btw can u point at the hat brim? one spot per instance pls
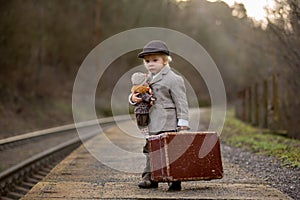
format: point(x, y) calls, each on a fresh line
point(145, 53)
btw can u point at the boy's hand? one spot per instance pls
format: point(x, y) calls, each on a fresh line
point(136, 99)
point(150, 91)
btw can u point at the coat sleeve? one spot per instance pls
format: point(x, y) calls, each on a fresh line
point(178, 92)
point(129, 99)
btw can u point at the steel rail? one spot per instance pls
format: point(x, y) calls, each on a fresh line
point(59, 129)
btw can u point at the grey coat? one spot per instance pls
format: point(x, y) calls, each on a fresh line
point(171, 102)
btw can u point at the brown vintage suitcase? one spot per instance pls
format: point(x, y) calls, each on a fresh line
point(185, 156)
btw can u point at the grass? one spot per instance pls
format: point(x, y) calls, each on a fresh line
point(239, 134)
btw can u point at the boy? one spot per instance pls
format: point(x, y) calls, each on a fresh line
point(170, 109)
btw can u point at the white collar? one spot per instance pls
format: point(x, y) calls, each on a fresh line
point(155, 75)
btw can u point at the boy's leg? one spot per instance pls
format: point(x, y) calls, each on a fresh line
point(175, 186)
point(146, 176)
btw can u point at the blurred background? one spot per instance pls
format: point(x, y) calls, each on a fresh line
point(43, 43)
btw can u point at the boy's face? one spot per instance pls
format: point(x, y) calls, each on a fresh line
point(154, 63)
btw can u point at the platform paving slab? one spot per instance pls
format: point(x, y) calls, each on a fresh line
point(82, 176)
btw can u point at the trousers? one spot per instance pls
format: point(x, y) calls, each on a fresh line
point(147, 169)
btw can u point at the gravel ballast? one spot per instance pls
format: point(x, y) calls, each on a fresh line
point(270, 169)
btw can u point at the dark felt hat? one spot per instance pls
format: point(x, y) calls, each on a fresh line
point(154, 47)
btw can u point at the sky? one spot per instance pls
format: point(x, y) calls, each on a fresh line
point(255, 8)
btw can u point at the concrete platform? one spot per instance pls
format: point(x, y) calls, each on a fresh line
point(97, 170)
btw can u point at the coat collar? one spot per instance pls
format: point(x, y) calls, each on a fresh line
point(164, 71)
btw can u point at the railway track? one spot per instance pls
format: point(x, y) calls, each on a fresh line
point(46, 149)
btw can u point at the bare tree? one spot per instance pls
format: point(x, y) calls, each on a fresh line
point(284, 25)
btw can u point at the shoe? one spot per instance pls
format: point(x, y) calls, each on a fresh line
point(175, 186)
point(148, 184)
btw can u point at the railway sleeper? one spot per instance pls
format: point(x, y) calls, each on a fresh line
point(48, 168)
point(43, 173)
point(37, 177)
point(14, 195)
point(31, 180)
point(5, 198)
point(27, 185)
point(22, 190)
